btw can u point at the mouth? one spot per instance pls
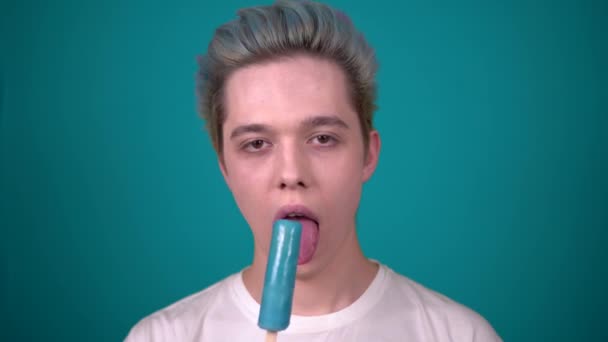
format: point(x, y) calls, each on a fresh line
point(310, 229)
point(295, 212)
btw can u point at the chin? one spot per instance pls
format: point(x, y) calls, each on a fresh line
point(309, 270)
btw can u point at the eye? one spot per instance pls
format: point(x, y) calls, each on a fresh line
point(324, 140)
point(255, 145)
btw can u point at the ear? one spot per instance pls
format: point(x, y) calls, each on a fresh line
point(373, 152)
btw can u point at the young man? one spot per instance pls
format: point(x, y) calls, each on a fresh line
point(288, 93)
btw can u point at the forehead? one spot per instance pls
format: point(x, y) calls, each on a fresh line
point(287, 89)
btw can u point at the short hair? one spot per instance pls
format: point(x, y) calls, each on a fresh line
point(285, 28)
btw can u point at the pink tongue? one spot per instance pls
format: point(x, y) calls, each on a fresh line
point(309, 240)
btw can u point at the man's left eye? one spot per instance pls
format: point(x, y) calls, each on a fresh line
point(324, 139)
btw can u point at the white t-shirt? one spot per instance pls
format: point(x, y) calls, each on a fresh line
point(393, 308)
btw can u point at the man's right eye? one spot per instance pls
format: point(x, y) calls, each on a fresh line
point(255, 145)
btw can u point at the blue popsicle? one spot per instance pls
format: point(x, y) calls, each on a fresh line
point(280, 278)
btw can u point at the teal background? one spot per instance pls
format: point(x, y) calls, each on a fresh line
point(492, 186)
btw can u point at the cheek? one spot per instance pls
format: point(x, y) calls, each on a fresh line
point(348, 193)
point(248, 184)
point(342, 184)
point(246, 193)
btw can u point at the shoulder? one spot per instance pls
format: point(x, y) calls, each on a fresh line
point(174, 321)
point(445, 318)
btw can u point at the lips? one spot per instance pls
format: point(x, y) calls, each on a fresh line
point(301, 210)
point(310, 229)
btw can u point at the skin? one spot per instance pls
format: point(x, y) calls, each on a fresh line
point(292, 136)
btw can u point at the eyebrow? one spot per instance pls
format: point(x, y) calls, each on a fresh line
point(250, 128)
point(312, 122)
point(324, 120)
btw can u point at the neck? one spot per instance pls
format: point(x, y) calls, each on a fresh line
point(329, 288)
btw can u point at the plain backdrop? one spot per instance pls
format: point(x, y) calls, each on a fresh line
point(492, 186)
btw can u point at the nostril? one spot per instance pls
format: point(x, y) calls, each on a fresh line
point(298, 184)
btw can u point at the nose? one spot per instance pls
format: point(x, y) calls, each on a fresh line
point(293, 168)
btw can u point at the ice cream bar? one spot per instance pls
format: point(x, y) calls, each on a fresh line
point(280, 278)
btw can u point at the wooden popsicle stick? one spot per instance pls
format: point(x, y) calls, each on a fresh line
point(271, 336)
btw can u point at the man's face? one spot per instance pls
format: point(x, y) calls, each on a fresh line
point(292, 143)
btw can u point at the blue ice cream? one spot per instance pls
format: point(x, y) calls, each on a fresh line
point(280, 278)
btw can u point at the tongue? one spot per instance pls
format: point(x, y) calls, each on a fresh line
point(309, 240)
